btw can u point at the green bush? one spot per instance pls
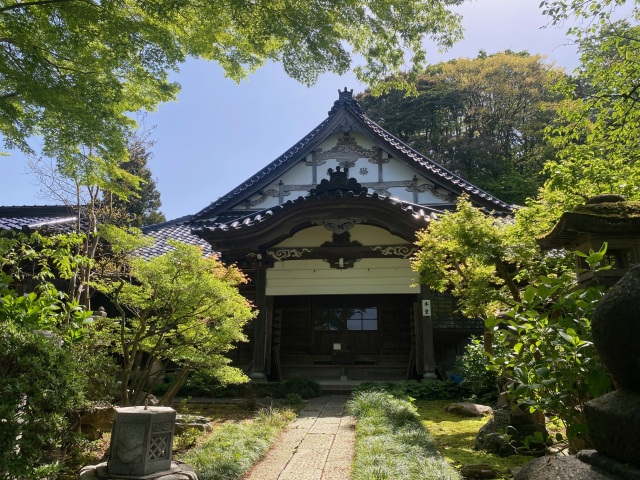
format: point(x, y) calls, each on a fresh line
point(428, 390)
point(197, 384)
point(40, 388)
point(50, 364)
point(301, 387)
point(549, 362)
point(472, 367)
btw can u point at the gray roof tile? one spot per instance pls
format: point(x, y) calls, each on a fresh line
point(58, 218)
point(178, 229)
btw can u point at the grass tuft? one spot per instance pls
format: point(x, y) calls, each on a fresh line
point(235, 448)
point(391, 441)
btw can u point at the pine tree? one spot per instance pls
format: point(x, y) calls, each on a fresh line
point(142, 208)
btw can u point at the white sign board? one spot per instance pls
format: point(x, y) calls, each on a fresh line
point(426, 308)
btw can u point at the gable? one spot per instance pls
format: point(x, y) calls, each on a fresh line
point(372, 166)
point(375, 158)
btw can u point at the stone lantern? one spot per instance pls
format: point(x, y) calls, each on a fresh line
point(141, 440)
point(141, 445)
point(604, 218)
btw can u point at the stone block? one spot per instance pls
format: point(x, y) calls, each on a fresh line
point(614, 425)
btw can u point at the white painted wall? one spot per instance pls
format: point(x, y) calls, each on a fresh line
point(365, 234)
point(368, 276)
point(395, 170)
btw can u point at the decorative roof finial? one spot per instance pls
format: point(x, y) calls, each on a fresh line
point(345, 94)
point(345, 98)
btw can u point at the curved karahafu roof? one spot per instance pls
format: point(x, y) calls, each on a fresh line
point(340, 198)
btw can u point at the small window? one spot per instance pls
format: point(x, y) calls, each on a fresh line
point(363, 319)
point(339, 313)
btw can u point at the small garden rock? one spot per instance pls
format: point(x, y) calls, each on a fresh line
point(94, 422)
point(467, 409)
point(184, 422)
point(478, 471)
point(491, 438)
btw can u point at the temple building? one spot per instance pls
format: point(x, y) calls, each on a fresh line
point(325, 234)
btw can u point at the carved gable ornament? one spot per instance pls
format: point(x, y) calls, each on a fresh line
point(347, 152)
point(338, 183)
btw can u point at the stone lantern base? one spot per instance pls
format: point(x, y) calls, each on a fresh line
point(178, 471)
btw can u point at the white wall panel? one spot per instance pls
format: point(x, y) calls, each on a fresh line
point(365, 234)
point(315, 277)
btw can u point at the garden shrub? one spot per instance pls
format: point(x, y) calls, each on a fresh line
point(549, 362)
point(481, 383)
point(427, 390)
point(303, 387)
point(198, 384)
point(50, 365)
point(41, 391)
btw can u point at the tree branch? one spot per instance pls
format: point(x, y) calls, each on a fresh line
point(17, 6)
point(502, 270)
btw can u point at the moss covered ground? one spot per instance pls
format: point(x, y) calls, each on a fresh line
point(455, 437)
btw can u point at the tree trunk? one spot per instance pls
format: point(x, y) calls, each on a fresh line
point(167, 398)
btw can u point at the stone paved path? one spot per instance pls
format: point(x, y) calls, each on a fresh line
point(318, 445)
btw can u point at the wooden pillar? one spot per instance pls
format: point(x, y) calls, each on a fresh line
point(260, 328)
point(269, 343)
point(419, 335)
point(427, 328)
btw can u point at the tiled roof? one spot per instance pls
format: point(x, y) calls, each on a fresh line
point(269, 169)
point(432, 166)
point(418, 212)
point(178, 229)
point(26, 217)
point(346, 101)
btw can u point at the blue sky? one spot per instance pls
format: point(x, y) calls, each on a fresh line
point(219, 133)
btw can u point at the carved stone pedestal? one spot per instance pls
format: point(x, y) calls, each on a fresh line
point(177, 471)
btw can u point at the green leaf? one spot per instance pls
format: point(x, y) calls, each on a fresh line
point(529, 294)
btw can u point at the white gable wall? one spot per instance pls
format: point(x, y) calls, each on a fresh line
point(396, 177)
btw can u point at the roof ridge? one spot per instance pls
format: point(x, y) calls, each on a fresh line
point(423, 157)
point(347, 101)
point(176, 221)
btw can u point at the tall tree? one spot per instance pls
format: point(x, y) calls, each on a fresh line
point(595, 134)
point(71, 70)
point(142, 207)
point(481, 118)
